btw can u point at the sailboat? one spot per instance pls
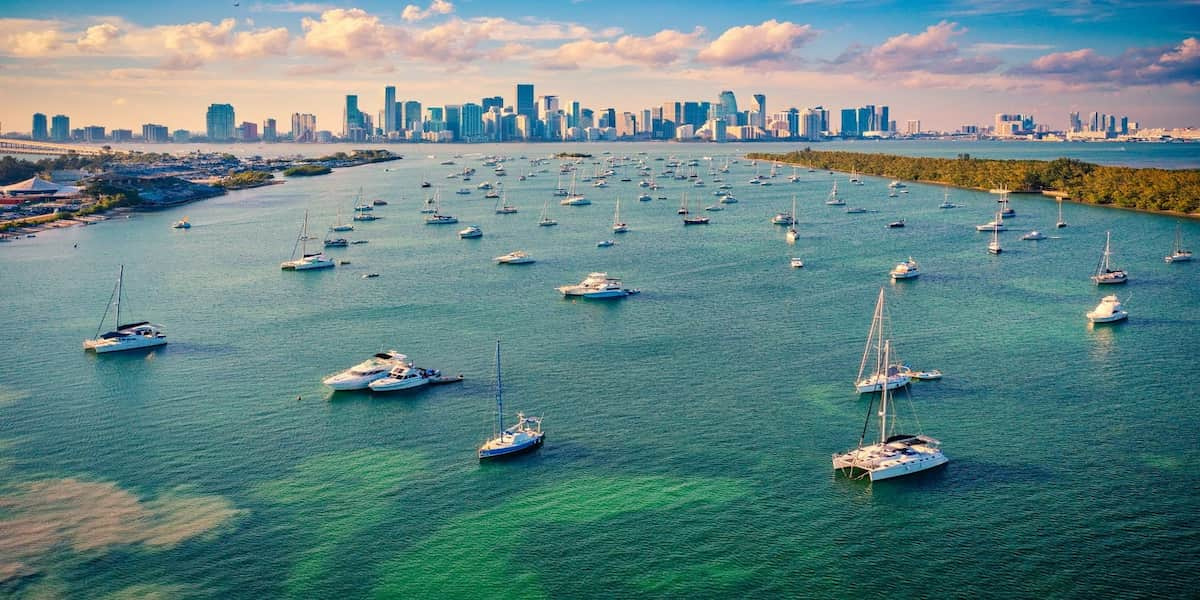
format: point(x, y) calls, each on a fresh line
point(1178, 253)
point(946, 203)
point(618, 226)
point(437, 218)
point(994, 245)
point(523, 436)
point(1061, 223)
point(545, 220)
point(894, 375)
point(573, 198)
point(307, 261)
point(792, 234)
point(126, 336)
point(1005, 210)
point(505, 208)
point(834, 200)
point(854, 178)
point(1105, 273)
point(559, 190)
point(894, 454)
point(687, 218)
point(339, 224)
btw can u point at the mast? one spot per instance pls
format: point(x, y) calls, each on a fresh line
point(304, 237)
point(499, 395)
point(793, 211)
point(875, 330)
point(617, 213)
point(883, 398)
point(1107, 250)
point(120, 291)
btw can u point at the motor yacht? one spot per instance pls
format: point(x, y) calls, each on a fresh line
point(404, 378)
point(1108, 311)
point(182, 224)
point(728, 199)
point(360, 376)
point(597, 285)
point(516, 257)
point(797, 263)
point(906, 270)
point(472, 231)
point(605, 243)
point(996, 224)
point(1033, 236)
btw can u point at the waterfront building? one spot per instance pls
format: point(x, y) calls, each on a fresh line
point(247, 132)
point(39, 131)
point(60, 128)
point(811, 124)
point(866, 119)
point(912, 127)
point(219, 122)
point(304, 127)
point(717, 130)
point(494, 101)
point(573, 116)
point(390, 122)
point(849, 127)
point(609, 118)
point(412, 115)
point(155, 134)
point(685, 132)
point(352, 117)
point(93, 133)
point(181, 136)
point(1012, 124)
point(726, 107)
point(760, 107)
point(587, 118)
point(270, 131)
point(525, 104)
point(471, 128)
point(121, 135)
point(883, 121)
point(453, 119)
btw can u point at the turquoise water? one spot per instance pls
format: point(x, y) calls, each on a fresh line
point(690, 427)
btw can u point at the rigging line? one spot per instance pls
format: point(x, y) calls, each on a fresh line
point(108, 307)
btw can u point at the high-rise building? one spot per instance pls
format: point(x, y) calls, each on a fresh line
point(912, 127)
point(726, 107)
point(760, 106)
point(247, 132)
point(39, 131)
point(352, 118)
point(1007, 125)
point(883, 122)
point(412, 115)
point(525, 102)
point(93, 133)
point(587, 118)
point(304, 127)
point(471, 127)
point(155, 134)
point(492, 102)
point(573, 117)
point(609, 119)
point(866, 119)
point(849, 127)
point(811, 126)
point(270, 131)
point(60, 128)
point(219, 122)
point(1074, 123)
point(719, 129)
point(453, 117)
point(121, 135)
point(181, 136)
point(390, 122)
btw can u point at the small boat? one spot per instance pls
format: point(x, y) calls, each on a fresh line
point(714, 207)
point(523, 436)
point(597, 286)
point(357, 242)
point(1033, 236)
point(1105, 273)
point(906, 270)
point(463, 191)
point(930, 375)
point(370, 275)
point(896, 224)
point(892, 195)
point(126, 336)
point(996, 224)
point(379, 203)
point(896, 184)
point(1061, 223)
point(644, 198)
point(855, 210)
point(618, 226)
point(946, 203)
point(1108, 311)
point(472, 231)
point(516, 257)
point(1005, 210)
point(426, 184)
point(792, 233)
point(1178, 252)
point(437, 219)
point(307, 261)
point(728, 199)
point(797, 263)
point(182, 224)
point(404, 377)
point(364, 216)
point(492, 195)
point(605, 243)
point(361, 375)
point(574, 198)
point(336, 242)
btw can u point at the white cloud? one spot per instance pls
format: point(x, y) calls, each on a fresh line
point(770, 41)
point(348, 33)
point(291, 7)
point(663, 48)
point(413, 13)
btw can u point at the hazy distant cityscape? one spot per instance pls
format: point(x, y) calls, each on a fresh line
point(547, 118)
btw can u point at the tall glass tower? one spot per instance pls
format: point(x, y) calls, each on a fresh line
point(220, 122)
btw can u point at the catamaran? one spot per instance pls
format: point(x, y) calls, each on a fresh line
point(834, 200)
point(523, 436)
point(618, 226)
point(545, 220)
point(1178, 253)
point(307, 261)
point(573, 198)
point(894, 454)
point(126, 336)
point(1105, 273)
point(894, 375)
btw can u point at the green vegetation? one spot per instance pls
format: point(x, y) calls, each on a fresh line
point(572, 155)
point(307, 171)
point(245, 179)
point(1127, 187)
point(358, 156)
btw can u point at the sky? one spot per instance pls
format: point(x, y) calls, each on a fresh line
point(121, 64)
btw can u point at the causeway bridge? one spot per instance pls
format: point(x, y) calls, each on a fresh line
point(48, 148)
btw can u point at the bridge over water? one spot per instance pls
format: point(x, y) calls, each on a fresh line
point(49, 148)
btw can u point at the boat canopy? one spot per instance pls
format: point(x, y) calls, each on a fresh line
point(132, 325)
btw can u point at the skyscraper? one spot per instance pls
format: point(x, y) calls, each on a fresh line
point(883, 123)
point(60, 128)
point(412, 115)
point(352, 118)
point(304, 127)
point(849, 126)
point(220, 122)
point(727, 107)
point(493, 101)
point(472, 121)
point(525, 103)
point(390, 122)
point(573, 119)
point(39, 127)
point(866, 119)
point(760, 105)
point(454, 120)
point(269, 131)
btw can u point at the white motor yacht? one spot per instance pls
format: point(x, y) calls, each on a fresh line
point(1033, 236)
point(404, 378)
point(516, 257)
point(472, 231)
point(437, 219)
point(906, 270)
point(1108, 311)
point(360, 376)
point(597, 285)
point(797, 263)
point(308, 260)
point(127, 336)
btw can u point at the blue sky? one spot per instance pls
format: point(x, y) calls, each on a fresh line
point(121, 64)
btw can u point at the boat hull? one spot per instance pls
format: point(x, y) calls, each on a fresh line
point(138, 343)
point(1113, 318)
point(501, 452)
point(349, 384)
point(872, 385)
point(387, 384)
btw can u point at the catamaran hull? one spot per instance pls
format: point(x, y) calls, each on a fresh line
point(305, 266)
point(925, 463)
point(512, 450)
point(133, 344)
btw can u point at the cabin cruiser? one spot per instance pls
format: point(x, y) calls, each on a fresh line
point(516, 257)
point(1108, 311)
point(1034, 236)
point(472, 231)
point(906, 270)
point(597, 285)
point(182, 224)
point(896, 224)
point(404, 377)
point(783, 218)
point(437, 219)
point(360, 376)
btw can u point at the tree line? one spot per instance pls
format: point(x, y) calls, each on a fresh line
point(1148, 189)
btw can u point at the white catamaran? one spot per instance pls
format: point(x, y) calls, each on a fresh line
point(126, 336)
point(307, 260)
point(895, 375)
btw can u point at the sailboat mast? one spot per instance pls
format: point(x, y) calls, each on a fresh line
point(499, 395)
point(120, 291)
point(883, 398)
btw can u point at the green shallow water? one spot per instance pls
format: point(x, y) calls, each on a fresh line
point(689, 428)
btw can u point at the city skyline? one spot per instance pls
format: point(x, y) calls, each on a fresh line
point(945, 64)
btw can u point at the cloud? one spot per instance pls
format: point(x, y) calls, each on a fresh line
point(768, 42)
point(663, 48)
point(1164, 65)
point(34, 43)
point(1000, 46)
point(262, 42)
point(348, 33)
point(931, 51)
point(98, 37)
point(413, 13)
point(291, 7)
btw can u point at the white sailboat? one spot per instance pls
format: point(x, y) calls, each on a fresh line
point(523, 436)
point(882, 372)
point(339, 224)
point(618, 226)
point(1105, 273)
point(574, 198)
point(792, 233)
point(994, 245)
point(126, 336)
point(1178, 252)
point(437, 218)
point(894, 455)
point(307, 261)
point(834, 200)
point(504, 207)
point(1061, 223)
point(688, 219)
